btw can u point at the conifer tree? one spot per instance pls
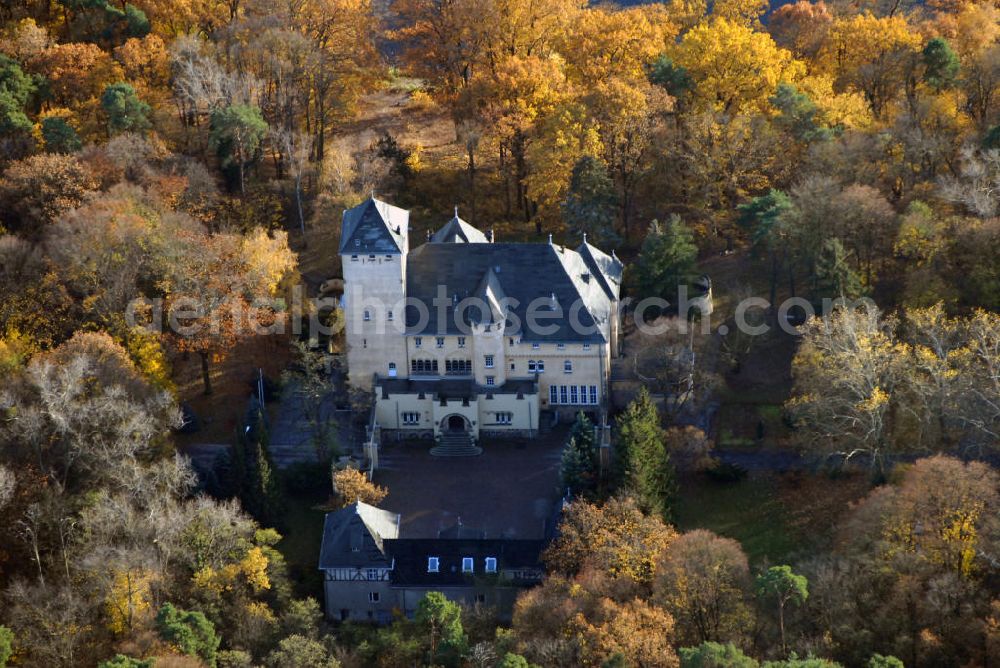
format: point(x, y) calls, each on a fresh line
point(579, 470)
point(646, 467)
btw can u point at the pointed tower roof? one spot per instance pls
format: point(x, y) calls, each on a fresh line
point(457, 231)
point(607, 269)
point(374, 227)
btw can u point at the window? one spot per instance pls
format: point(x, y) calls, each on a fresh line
point(357, 243)
point(388, 316)
point(490, 380)
point(371, 257)
point(586, 346)
point(535, 346)
point(461, 342)
point(433, 564)
point(531, 366)
point(561, 346)
point(513, 367)
point(439, 342)
point(467, 565)
point(392, 369)
point(372, 574)
point(368, 316)
point(553, 395)
point(583, 394)
point(411, 418)
point(573, 398)
point(354, 258)
point(541, 366)
point(593, 394)
point(388, 258)
point(480, 598)
point(568, 366)
point(491, 564)
point(489, 361)
point(458, 367)
point(373, 597)
point(417, 341)
point(505, 418)
point(563, 397)
point(424, 367)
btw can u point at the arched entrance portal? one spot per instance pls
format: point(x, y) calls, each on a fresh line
point(455, 423)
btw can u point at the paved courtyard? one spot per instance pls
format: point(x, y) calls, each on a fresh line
point(511, 490)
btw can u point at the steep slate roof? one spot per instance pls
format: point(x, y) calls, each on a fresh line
point(374, 227)
point(524, 272)
point(355, 536)
point(607, 269)
point(411, 556)
point(457, 231)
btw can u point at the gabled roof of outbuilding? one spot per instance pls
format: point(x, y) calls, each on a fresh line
point(353, 537)
point(374, 227)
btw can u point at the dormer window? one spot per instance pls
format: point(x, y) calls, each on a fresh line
point(357, 243)
point(433, 564)
point(468, 564)
point(491, 564)
point(354, 258)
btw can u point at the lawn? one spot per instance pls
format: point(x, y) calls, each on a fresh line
point(302, 536)
point(778, 518)
point(750, 511)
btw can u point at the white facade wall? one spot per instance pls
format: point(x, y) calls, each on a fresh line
point(375, 290)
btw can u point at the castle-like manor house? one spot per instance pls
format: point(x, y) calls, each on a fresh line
point(464, 335)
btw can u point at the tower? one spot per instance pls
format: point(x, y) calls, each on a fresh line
point(374, 243)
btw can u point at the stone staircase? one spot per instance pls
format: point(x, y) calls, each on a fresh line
point(456, 444)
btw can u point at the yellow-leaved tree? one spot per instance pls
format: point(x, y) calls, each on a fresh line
point(559, 141)
point(735, 69)
point(870, 55)
point(744, 12)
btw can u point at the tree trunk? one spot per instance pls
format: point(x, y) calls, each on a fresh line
point(206, 379)
point(781, 625)
point(298, 204)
